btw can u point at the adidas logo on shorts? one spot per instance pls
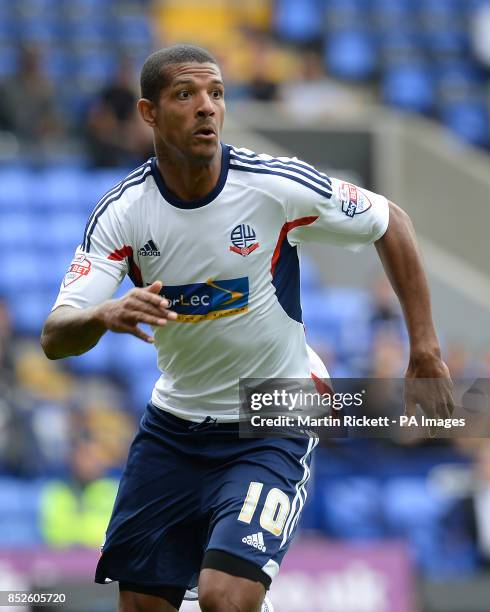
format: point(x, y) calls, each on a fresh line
point(256, 540)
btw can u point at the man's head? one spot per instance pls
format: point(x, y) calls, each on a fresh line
point(182, 99)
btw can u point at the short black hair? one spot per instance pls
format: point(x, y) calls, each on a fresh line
point(153, 74)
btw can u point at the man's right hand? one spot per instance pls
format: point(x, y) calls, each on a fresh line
point(138, 306)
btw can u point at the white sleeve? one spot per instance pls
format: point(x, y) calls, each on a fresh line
point(99, 265)
point(340, 213)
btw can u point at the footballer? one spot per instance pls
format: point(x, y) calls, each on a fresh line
point(210, 235)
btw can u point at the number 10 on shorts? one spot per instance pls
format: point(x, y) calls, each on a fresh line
point(274, 513)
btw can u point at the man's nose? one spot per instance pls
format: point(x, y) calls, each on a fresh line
point(205, 107)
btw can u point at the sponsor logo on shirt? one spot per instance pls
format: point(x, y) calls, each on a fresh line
point(354, 201)
point(243, 238)
point(213, 299)
point(79, 267)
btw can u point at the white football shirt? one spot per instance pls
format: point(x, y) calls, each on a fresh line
point(229, 264)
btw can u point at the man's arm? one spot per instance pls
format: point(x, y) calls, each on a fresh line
point(73, 331)
point(402, 262)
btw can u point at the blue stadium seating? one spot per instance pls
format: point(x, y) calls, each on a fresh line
point(38, 31)
point(9, 59)
point(134, 30)
point(409, 87)
point(61, 232)
point(339, 317)
point(448, 41)
point(61, 189)
point(469, 120)
point(351, 54)
point(94, 68)
point(58, 63)
point(30, 310)
point(309, 275)
point(416, 512)
point(96, 361)
point(19, 510)
point(16, 194)
point(352, 507)
point(17, 232)
point(299, 21)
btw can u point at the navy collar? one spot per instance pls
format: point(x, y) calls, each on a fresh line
point(171, 198)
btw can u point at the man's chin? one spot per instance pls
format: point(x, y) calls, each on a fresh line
point(206, 150)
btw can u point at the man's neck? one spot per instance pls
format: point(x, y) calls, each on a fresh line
point(189, 180)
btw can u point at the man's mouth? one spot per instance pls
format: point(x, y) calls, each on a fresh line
point(205, 132)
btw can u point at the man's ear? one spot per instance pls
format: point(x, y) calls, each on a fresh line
point(147, 110)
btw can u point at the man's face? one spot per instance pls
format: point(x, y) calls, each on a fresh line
point(191, 109)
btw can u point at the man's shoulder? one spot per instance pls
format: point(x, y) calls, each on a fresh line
point(279, 172)
point(243, 155)
point(114, 206)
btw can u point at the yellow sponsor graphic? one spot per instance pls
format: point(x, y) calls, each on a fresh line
point(215, 314)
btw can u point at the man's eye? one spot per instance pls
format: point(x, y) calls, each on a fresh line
point(183, 94)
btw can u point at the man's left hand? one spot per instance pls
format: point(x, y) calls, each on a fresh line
point(428, 383)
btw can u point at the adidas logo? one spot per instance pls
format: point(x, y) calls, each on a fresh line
point(149, 250)
point(256, 540)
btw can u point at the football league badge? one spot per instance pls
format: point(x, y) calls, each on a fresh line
point(354, 201)
point(79, 267)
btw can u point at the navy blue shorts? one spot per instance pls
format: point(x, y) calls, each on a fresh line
point(188, 489)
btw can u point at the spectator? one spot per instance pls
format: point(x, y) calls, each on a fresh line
point(6, 356)
point(28, 104)
point(315, 95)
point(116, 136)
point(77, 512)
point(263, 86)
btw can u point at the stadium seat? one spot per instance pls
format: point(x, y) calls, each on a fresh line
point(19, 509)
point(457, 80)
point(96, 361)
point(9, 59)
point(58, 63)
point(341, 14)
point(21, 270)
point(134, 30)
point(414, 511)
point(352, 508)
point(93, 32)
point(451, 41)
point(339, 317)
point(132, 354)
point(29, 311)
point(396, 8)
point(299, 21)
point(39, 31)
point(409, 87)
point(61, 232)
point(8, 29)
point(16, 192)
point(62, 190)
point(310, 278)
point(469, 120)
point(140, 388)
point(17, 233)
point(94, 68)
point(99, 182)
point(351, 54)
point(441, 8)
point(91, 8)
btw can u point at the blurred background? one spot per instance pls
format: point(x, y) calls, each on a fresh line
point(392, 95)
